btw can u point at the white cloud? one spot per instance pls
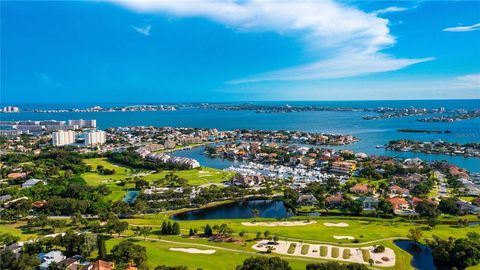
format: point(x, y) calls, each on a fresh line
point(469, 28)
point(389, 10)
point(45, 81)
point(351, 39)
point(143, 30)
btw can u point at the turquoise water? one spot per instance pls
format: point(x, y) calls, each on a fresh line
point(371, 133)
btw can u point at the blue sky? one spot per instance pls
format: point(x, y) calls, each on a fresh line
point(160, 51)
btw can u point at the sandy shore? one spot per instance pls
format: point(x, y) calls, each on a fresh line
point(194, 250)
point(279, 223)
point(335, 224)
point(314, 252)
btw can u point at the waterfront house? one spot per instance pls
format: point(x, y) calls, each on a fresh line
point(307, 200)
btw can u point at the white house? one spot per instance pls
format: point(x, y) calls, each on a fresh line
point(32, 182)
point(54, 256)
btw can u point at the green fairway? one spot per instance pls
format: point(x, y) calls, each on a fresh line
point(363, 229)
point(194, 177)
point(159, 254)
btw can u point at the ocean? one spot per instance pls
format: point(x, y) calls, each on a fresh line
point(370, 132)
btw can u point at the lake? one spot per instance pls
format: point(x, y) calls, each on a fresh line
point(240, 209)
point(422, 259)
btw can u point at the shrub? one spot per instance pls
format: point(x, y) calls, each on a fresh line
point(379, 249)
point(305, 249)
point(323, 251)
point(365, 255)
point(346, 254)
point(291, 248)
point(335, 252)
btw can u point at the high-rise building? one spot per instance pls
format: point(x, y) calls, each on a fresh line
point(93, 138)
point(61, 137)
point(10, 109)
point(84, 123)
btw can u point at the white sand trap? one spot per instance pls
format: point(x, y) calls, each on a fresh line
point(335, 224)
point(194, 250)
point(343, 237)
point(384, 259)
point(279, 223)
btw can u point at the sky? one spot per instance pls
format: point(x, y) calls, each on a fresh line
point(198, 51)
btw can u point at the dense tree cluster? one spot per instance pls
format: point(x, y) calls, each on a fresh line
point(459, 253)
point(336, 266)
point(170, 229)
point(128, 252)
point(264, 263)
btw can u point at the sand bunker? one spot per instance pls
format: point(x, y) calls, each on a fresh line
point(279, 223)
point(383, 259)
point(343, 237)
point(194, 250)
point(335, 224)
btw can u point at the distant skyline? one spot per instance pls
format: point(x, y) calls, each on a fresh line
point(194, 51)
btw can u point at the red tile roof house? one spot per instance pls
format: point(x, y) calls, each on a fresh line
point(396, 190)
point(416, 200)
point(398, 203)
point(362, 189)
point(334, 200)
point(103, 265)
point(16, 175)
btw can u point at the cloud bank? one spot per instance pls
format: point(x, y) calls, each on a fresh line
point(344, 41)
point(474, 27)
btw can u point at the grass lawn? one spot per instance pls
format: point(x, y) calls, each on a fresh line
point(159, 254)
point(16, 229)
point(363, 229)
point(195, 177)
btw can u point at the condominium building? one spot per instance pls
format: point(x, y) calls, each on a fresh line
point(84, 123)
point(10, 109)
point(61, 138)
point(93, 138)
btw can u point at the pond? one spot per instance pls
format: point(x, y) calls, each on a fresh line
point(240, 209)
point(131, 196)
point(422, 258)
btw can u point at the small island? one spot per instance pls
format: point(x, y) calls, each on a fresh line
point(409, 130)
point(435, 147)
